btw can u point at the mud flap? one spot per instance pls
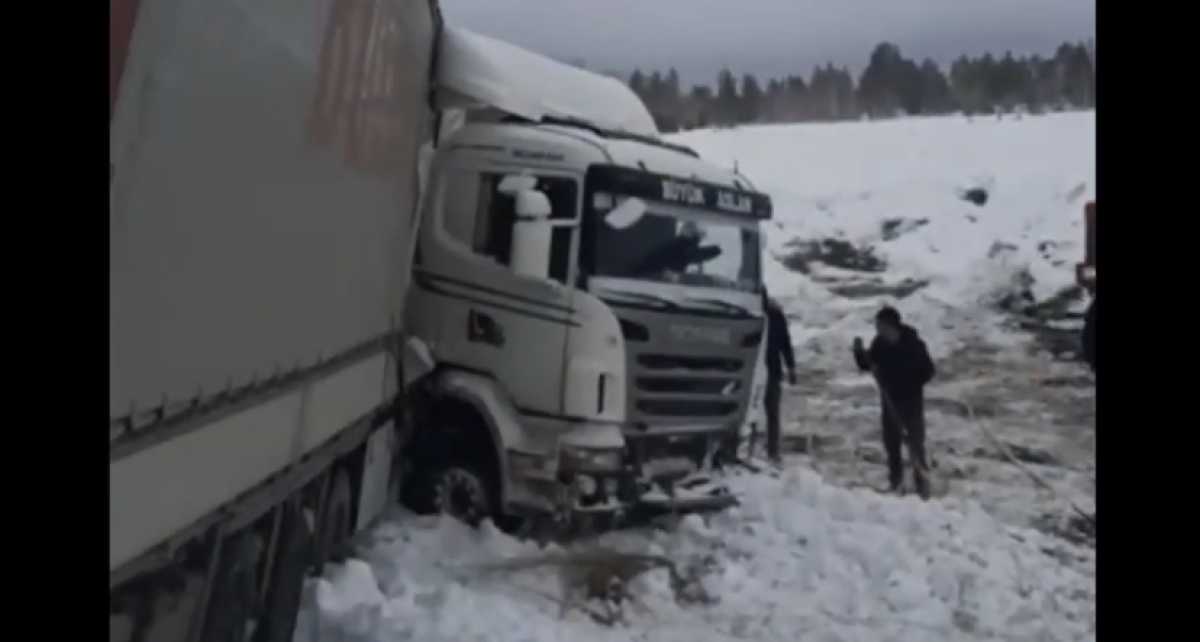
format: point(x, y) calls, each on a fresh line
point(418, 361)
point(376, 483)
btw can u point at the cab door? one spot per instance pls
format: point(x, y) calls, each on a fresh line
point(490, 319)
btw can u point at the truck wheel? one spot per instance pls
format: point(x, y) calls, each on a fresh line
point(335, 527)
point(463, 492)
point(282, 606)
point(233, 591)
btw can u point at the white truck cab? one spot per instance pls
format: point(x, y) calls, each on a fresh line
point(489, 304)
point(589, 298)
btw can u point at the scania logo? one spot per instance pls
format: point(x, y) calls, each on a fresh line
point(700, 334)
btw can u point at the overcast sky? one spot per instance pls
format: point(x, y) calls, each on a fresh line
point(771, 38)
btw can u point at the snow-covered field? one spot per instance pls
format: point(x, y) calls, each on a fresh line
point(850, 181)
point(847, 180)
point(812, 554)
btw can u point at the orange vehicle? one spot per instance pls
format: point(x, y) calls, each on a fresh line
point(1085, 273)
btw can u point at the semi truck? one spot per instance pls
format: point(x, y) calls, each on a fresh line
point(356, 255)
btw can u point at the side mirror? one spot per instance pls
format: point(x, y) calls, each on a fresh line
point(629, 212)
point(532, 204)
point(532, 232)
point(514, 184)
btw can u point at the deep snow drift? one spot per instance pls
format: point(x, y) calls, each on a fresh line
point(812, 555)
point(798, 560)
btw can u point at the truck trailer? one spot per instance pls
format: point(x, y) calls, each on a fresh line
point(264, 185)
point(357, 254)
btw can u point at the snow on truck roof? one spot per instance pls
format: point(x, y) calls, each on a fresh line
point(663, 160)
point(525, 84)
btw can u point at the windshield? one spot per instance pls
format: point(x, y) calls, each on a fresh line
point(672, 244)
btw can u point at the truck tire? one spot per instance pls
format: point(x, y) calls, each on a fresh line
point(462, 491)
point(335, 525)
point(462, 482)
point(427, 493)
point(282, 604)
point(233, 591)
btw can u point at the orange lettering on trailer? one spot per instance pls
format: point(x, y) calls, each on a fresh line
point(362, 97)
point(122, 14)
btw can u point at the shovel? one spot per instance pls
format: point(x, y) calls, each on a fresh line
point(918, 467)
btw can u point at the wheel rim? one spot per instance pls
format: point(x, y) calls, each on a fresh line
point(461, 495)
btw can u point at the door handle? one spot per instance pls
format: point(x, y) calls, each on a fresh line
point(482, 328)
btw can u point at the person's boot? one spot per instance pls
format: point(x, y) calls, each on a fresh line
point(922, 483)
point(895, 477)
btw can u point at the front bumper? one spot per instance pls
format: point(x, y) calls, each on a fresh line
point(626, 492)
point(657, 473)
point(597, 470)
point(696, 493)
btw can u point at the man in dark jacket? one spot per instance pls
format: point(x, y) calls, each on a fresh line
point(779, 352)
point(680, 252)
point(902, 367)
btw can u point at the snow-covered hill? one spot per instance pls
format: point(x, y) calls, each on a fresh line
point(959, 272)
point(896, 187)
point(812, 555)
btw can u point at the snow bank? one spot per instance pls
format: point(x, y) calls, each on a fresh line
point(800, 559)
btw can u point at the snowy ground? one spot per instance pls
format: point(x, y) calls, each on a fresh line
point(812, 554)
point(847, 181)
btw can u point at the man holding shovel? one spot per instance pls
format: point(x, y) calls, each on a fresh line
point(902, 367)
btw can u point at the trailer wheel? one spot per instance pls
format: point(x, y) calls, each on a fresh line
point(282, 607)
point(233, 590)
point(335, 524)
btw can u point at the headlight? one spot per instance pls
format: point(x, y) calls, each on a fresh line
point(586, 459)
point(527, 464)
point(586, 485)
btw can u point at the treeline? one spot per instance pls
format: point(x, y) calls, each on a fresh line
point(891, 85)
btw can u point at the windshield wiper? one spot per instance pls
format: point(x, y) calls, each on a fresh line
point(642, 297)
point(732, 307)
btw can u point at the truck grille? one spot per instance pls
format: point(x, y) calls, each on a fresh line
point(686, 407)
point(673, 388)
point(684, 362)
point(682, 384)
point(689, 385)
